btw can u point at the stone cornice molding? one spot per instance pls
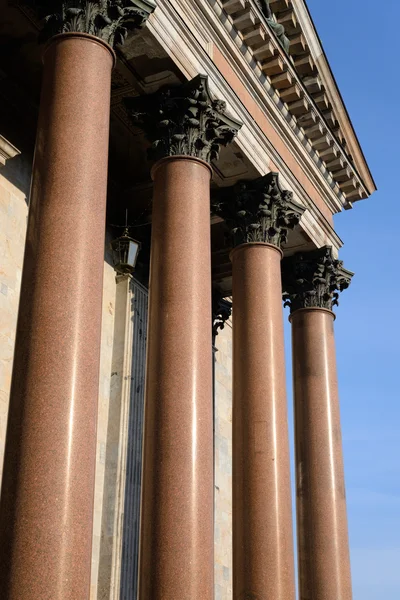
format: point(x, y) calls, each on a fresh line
point(7, 150)
point(258, 211)
point(221, 312)
point(183, 120)
point(313, 280)
point(109, 20)
point(299, 95)
point(316, 54)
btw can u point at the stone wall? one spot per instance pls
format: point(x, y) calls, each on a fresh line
point(223, 464)
point(117, 572)
point(14, 183)
point(107, 340)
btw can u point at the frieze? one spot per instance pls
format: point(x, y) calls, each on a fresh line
point(183, 120)
point(109, 20)
point(258, 211)
point(314, 280)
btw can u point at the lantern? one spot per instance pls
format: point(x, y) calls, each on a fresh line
point(125, 251)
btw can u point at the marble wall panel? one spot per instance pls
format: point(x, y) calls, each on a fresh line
point(223, 464)
point(14, 179)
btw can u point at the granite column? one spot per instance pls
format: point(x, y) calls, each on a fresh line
point(46, 510)
point(311, 283)
point(260, 214)
point(176, 546)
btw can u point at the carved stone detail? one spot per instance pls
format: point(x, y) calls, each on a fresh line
point(221, 312)
point(7, 150)
point(258, 211)
point(183, 120)
point(109, 20)
point(314, 280)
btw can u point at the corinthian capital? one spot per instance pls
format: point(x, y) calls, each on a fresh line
point(258, 211)
point(221, 312)
point(183, 120)
point(109, 20)
point(313, 280)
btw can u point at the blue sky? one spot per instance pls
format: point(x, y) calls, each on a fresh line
point(361, 38)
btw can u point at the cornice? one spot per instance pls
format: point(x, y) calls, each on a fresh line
point(299, 95)
point(7, 150)
point(320, 59)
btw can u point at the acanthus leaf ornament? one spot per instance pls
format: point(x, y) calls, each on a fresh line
point(109, 20)
point(183, 120)
point(258, 211)
point(314, 279)
point(221, 312)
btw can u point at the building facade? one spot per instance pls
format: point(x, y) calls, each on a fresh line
point(144, 445)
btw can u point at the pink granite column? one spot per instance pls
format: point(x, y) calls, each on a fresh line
point(324, 561)
point(46, 508)
point(259, 215)
point(177, 538)
point(312, 282)
point(263, 559)
point(186, 127)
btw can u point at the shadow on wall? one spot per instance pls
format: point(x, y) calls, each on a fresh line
point(18, 171)
point(118, 566)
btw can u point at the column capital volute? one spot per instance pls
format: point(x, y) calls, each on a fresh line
point(183, 120)
point(314, 280)
point(108, 20)
point(258, 211)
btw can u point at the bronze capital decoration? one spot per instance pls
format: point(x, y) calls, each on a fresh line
point(183, 120)
point(258, 211)
point(221, 312)
point(314, 280)
point(109, 20)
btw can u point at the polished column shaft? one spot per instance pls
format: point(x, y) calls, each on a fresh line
point(324, 562)
point(263, 562)
point(176, 554)
point(46, 507)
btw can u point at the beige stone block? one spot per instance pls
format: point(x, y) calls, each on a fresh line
point(4, 199)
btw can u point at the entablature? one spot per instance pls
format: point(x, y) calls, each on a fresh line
point(303, 93)
point(192, 35)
